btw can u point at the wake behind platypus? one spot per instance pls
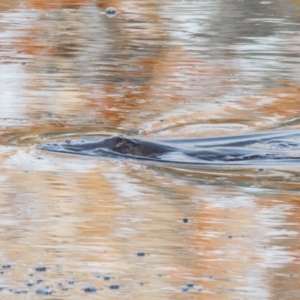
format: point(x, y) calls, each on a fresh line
point(257, 149)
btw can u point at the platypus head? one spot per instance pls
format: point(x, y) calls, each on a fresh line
point(135, 147)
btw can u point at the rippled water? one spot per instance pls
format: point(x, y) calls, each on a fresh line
point(79, 226)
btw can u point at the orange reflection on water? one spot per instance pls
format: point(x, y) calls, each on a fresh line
point(54, 4)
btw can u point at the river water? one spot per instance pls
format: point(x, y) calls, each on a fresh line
point(75, 226)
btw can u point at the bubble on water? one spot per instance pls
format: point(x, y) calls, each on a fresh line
point(110, 12)
point(6, 266)
point(114, 287)
point(20, 292)
point(90, 290)
point(43, 292)
point(41, 269)
point(29, 284)
point(71, 281)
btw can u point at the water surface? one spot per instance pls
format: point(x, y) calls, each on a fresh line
point(73, 226)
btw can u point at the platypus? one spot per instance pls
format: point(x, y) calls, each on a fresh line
point(218, 150)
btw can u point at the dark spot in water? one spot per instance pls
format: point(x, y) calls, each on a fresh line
point(185, 289)
point(21, 292)
point(1, 273)
point(210, 277)
point(110, 11)
point(30, 275)
point(160, 275)
point(68, 141)
point(6, 266)
point(230, 236)
point(114, 287)
point(199, 290)
point(43, 292)
point(291, 275)
point(23, 63)
point(64, 289)
point(1, 289)
point(141, 254)
point(185, 220)
point(260, 169)
point(161, 120)
point(39, 281)
point(71, 281)
point(41, 269)
point(106, 278)
point(90, 290)
point(190, 285)
point(141, 283)
point(29, 284)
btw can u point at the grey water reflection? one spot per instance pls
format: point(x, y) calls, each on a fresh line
point(73, 226)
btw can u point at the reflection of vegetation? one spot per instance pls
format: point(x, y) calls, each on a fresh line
point(132, 69)
point(56, 4)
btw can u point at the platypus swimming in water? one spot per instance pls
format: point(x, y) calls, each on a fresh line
point(281, 147)
point(113, 146)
